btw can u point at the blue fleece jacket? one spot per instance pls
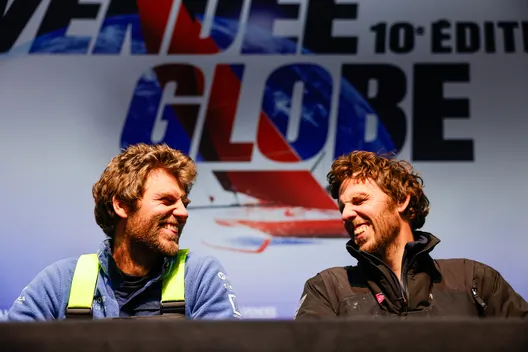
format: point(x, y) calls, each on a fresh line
point(208, 292)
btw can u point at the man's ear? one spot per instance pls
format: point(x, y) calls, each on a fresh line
point(403, 205)
point(120, 208)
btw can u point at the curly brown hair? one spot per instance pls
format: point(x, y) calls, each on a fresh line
point(125, 176)
point(396, 178)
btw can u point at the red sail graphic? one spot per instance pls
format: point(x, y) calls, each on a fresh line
point(272, 187)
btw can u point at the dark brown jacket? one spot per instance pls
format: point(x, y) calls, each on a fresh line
point(449, 287)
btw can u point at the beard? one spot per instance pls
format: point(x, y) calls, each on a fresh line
point(147, 235)
point(385, 228)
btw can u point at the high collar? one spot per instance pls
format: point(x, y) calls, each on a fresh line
point(423, 244)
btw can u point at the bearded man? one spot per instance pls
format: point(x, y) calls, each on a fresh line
point(139, 270)
point(383, 206)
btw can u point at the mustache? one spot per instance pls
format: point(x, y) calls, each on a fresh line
point(164, 219)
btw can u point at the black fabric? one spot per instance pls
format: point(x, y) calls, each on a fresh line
point(145, 303)
point(332, 335)
point(128, 287)
point(451, 288)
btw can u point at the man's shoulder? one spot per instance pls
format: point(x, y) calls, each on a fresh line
point(338, 270)
point(197, 257)
point(454, 269)
point(337, 273)
point(56, 276)
point(206, 278)
point(460, 262)
point(336, 283)
point(62, 267)
point(198, 261)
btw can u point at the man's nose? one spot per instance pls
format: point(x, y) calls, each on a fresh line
point(180, 211)
point(348, 213)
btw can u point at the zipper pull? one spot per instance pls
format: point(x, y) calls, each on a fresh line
point(477, 298)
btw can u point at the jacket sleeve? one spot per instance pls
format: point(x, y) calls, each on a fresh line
point(315, 302)
point(40, 300)
point(499, 296)
point(209, 293)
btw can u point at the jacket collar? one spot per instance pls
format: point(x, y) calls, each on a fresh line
point(423, 244)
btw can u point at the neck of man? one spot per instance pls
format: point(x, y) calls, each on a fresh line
point(133, 257)
point(393, 254)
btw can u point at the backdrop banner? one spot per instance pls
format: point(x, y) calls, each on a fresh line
point(264, 95)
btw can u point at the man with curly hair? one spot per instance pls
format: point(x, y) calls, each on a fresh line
point(139, 269)
point(383, 206)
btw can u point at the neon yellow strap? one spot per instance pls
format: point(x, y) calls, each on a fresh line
point(173, 288)
point(84, 282)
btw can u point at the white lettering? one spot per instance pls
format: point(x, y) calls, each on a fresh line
point(232, 300)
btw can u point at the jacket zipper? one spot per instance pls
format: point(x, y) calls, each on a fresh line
point(405, 274)
point(394, 279)
point(403, 285)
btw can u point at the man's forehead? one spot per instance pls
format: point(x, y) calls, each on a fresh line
point(352, 186)
point(161, 181)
